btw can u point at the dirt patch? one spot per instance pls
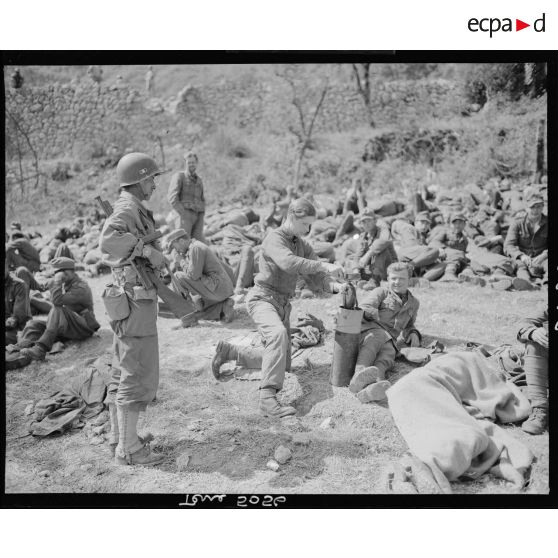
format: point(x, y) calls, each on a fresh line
point(211, 433)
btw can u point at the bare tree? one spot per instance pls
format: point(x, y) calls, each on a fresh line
point(17, 129)
point(306, 117)
point(362, 75)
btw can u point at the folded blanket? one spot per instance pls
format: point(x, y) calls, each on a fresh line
point(446, 410)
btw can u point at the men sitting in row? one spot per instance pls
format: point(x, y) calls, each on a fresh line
point(71, 315)
point(16, 305)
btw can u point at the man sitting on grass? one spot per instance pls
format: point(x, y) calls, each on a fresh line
point(389, 319)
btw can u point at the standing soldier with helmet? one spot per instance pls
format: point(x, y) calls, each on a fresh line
point(187, 198)
point(132, 308)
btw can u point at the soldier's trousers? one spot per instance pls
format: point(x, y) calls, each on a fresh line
point(62, 323)
point(419, 256)
point(192, 222)
point(272, 317)
point(536, 374)
point(135, 364)
point(375, 350)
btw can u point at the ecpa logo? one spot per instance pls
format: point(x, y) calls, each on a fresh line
point(494, 24)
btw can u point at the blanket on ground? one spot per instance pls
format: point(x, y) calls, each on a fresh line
point(446, 410)
point(67, 408)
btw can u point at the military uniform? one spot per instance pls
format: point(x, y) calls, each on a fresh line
point(16, 307)
point(523, 239)
point(371, 253)
point(204, 275)
point(536, 371)
point(387, 315)
point(454, 244)
point(20, 252)
point(71, 316)
point(412, 245)
point(136, 347)
point(283, 258)
point(187, 198)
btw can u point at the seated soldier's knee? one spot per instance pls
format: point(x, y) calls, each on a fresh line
point(534, 349)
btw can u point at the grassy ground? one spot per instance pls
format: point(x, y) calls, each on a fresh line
point(215, 440)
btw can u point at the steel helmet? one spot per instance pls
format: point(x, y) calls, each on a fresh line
point(134, 167)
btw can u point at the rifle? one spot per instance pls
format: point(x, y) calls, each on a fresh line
point(178, 305)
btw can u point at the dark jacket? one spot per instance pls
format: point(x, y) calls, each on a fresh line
point(522, 240)
point(282, 259)
point(16, 300)
point(528, 325)
point(186, 192)
point(384, 309)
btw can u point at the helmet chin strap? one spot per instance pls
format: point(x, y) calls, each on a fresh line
point(145, 188)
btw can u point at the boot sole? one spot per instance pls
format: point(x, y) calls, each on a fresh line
point(374, 392)
point(364, 378)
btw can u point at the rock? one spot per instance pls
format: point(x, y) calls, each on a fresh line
point(194, 425)
point(327, 423)
point(282, 454)
point(101, 419)
point(97, 441)
point(98, 430)
point(302, 439)
point(29, 409)
point(182, 461)
point(273, 465)
point(45, 473)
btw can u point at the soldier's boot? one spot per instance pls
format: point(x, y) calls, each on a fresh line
point(270, 407)
point(522, 284)
point(537, 421)
point(374, 392)
point(228, 311)
point(363, 377)
point(190, 320)
point(224, 351)
point(36, 352)
point(470, 277)
point(450, 274)
point(131, 449)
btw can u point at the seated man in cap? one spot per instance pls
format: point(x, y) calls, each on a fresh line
point(389, 319)
point(452, 245)
point(20, 252)
point(17, 309)
point(71, 316)
point(202, 274)
point(372, 252)
point(527, 245)
point(412, 246)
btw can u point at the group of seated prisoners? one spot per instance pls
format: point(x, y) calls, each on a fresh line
point(490, 235)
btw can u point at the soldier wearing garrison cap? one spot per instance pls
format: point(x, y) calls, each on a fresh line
point(203, 276)
point(527, 244)
point(452, 245)
point(71, 315)
point(285, 255)
point(411, 245)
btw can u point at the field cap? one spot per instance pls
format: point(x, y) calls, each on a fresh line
point(175, 235)
point(62, 263)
